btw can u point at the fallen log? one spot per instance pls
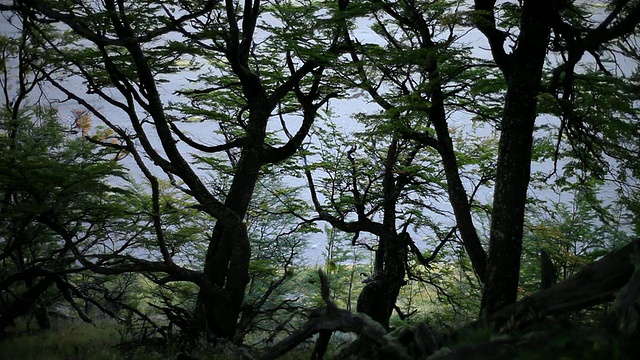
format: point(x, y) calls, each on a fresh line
point(552, 342)
point(595, 284)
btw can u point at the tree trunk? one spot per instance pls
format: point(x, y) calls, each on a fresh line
point(379, 296)
point(548, 275)
point(26, 303)
point(457, 193)
point(218, 315)
point(229, 252)
point(523, 73)
point(377, 299)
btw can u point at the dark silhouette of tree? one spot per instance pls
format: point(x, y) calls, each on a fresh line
point(252, 74)
point(420, 74)
point(47, 173)
point(543, 28)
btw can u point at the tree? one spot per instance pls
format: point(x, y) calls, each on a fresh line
point(253, 72)
point(413, 70)
point(418, 71)
point(274, 295)
point(46, 174)
point(543, 27)
point(261, 74)
point(376, 189)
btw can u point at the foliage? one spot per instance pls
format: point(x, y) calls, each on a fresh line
point(347, 268)
point(49, 177)
point(573, 234)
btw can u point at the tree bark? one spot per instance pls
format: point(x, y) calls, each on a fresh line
point(215, 314)
point(228, 255)
point(523, 72)
point(457, 193)
point(378, 297)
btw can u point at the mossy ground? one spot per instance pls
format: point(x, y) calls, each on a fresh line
point(82, 341)
point(64, 341)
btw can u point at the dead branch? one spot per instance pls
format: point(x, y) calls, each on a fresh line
point(329, 318)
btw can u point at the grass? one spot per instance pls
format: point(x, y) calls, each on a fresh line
point(69, 341)
point(81, 341)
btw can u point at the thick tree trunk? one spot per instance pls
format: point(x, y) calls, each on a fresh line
point(229, 252)
point(26, 303)
point(523, 73)
point(378, 297)
point(218, 315)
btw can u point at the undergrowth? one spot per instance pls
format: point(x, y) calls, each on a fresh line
point(82, 341)
point(69, 341)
